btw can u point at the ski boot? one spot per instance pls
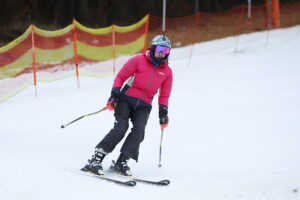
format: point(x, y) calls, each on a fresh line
point(121, 167)
point(94, 165)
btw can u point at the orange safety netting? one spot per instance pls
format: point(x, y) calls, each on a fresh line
point(16, 59)
point(203, 26)
point(41, 55)
point(287, 15)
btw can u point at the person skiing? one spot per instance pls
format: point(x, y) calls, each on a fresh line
point(145, 75)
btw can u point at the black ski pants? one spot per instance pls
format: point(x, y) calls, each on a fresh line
point(139, 117)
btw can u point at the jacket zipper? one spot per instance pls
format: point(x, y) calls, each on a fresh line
point(147, 86)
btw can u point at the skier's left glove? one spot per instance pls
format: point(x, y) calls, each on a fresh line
point(163, 116)
point(113, 99)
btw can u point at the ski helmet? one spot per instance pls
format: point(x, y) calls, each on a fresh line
point(161, 40)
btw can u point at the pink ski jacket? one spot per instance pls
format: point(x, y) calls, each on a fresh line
point(147, 79)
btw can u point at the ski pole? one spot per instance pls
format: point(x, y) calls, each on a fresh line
point(63, 126)
point(160, 146)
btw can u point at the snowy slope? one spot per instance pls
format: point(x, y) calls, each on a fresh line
point(233, 133)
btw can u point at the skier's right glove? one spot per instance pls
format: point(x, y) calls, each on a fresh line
point(163, 116)
point(113, 99)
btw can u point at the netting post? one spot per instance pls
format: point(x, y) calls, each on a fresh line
point(114, 48)
point(273, 14)
point(33, 59)
point(75, 52)
point(238, 29)
point(164, 16)
point(276, 13)
point(195, 32)
point(146, 34)
point(249, 21)
point(269, 10)
point(269, 18)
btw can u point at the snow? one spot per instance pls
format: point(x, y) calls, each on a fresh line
point(233, 132)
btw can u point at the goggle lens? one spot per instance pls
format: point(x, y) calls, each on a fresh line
point(164, 50)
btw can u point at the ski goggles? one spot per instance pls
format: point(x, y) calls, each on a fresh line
point(164, 50)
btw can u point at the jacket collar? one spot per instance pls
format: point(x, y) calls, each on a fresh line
point(147, 55)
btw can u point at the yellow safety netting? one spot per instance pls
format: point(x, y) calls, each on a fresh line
point(42, 55)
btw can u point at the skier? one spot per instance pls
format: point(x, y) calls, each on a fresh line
point(146, 74)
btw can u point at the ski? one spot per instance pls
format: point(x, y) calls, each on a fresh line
point(151, 182)
point(130, 183)
point(160, 183)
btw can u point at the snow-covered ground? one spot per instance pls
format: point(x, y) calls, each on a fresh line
point(233, 133)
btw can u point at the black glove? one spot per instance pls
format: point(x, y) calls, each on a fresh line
point(163, 115)
point(113, 99)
